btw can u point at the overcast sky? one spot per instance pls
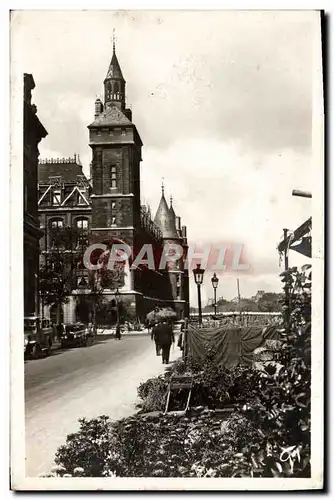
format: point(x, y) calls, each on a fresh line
point(221, 100)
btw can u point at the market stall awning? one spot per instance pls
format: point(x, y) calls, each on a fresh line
point(297, 235)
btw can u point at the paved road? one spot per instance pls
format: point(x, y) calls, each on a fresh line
point(101, 379)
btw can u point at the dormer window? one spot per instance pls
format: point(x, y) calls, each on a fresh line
point(111, 132)
point(81, 200)
point(56, 197)
point(98, 132)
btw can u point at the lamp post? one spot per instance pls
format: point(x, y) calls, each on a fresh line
point(117, 295)
point(215, 281)
point(198, 276)
point(118, 327)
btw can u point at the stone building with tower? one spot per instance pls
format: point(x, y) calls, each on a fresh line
point(107, 209)
point(117, 212)
point(33, 133)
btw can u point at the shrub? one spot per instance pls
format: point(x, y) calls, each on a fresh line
point(88, 448)
point(153, 393)
point(197, 445)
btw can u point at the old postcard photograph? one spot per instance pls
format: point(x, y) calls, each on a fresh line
point(167, 209)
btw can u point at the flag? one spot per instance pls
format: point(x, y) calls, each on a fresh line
point(303, 246)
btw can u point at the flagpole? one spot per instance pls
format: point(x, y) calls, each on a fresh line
point(286, 258)
point(239, 299)
point(286, 287)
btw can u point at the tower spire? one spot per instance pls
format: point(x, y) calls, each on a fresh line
point(171, 201)
point(114, 83)
point(162, 187)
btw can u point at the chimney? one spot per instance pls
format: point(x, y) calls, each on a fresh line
point(91, 172)
point(128, 113)
point(98, 107)
point(184, 231)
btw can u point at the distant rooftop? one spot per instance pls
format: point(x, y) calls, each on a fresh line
point(67, 168)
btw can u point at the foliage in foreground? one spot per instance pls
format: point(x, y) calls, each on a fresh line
point(268, 434)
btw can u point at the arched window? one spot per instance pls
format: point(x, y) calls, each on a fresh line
point(82, 223)
point(56, 226)
point(115, 90)
point(109, 90)
point(56, 223)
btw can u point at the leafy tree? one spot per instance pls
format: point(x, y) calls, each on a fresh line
point(270, 302)
point(58, 270)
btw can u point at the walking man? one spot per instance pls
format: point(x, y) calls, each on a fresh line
point(118, 335)
point(154, 337)
point(165, 337)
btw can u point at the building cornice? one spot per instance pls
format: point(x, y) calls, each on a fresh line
point(84, 208)
point(111, 228)
point(112, 195)
point(112, 143)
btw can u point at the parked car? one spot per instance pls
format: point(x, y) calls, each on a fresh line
point(75, 335)
point(37, 337)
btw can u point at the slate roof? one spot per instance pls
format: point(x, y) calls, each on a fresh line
point(165, 220)
point(67, 170)
point(114, 70)
point(171, 209)
point(110, 116)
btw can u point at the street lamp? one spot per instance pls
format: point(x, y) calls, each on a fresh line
point(215, 281)
point(198, 276)
point(117, 296)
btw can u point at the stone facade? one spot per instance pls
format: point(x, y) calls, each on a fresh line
point(117, 212)
point(65, 216)
point(33, 133)
point(110, 203)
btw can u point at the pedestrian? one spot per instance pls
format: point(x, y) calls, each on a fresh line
point(165, 338)
point(118, 335)
point(154, 337)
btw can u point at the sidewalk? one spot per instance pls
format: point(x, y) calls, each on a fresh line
point(89, 392)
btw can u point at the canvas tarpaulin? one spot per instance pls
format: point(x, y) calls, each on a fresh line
point(233, 344)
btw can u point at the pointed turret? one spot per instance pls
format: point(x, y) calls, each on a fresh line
point(165, 219)
point(171, 207)
point(114, 83)
point(114, 70)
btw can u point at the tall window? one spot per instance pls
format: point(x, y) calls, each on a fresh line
point(82, 234)
point(178, 286)
point(56, 197)
point(113, 178)
point(56, 233)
